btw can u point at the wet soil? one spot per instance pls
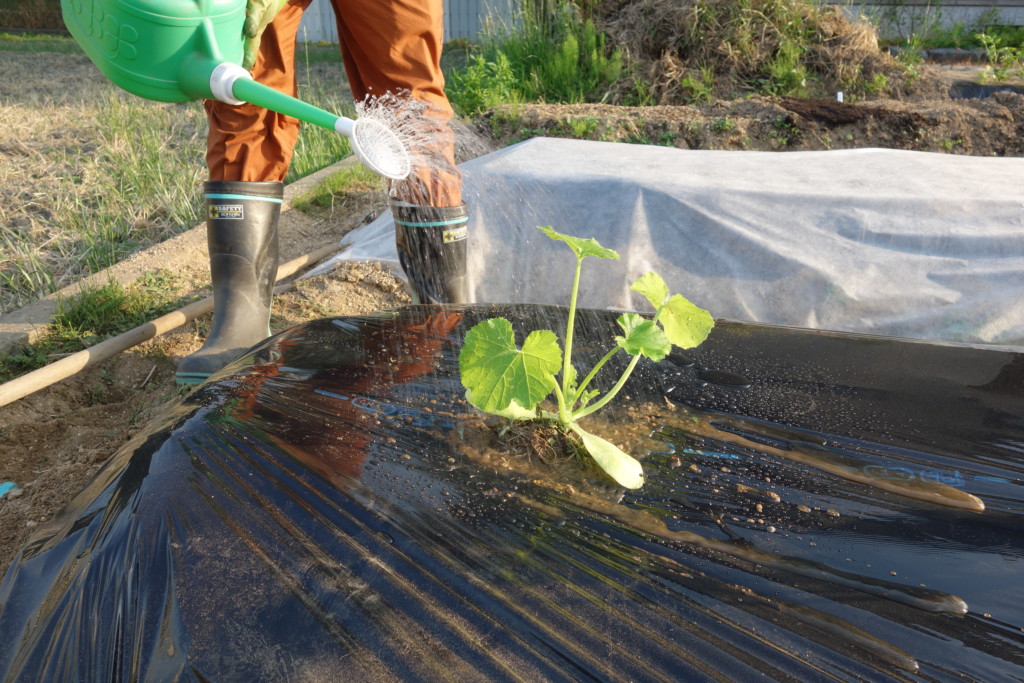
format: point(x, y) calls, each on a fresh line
point(541, 453)
point(53, 442)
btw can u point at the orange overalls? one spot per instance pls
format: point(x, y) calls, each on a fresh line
point(387, 46)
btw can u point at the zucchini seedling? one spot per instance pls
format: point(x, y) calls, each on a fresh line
point(505, 380)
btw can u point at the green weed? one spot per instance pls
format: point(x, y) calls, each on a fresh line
point(95, 314)
point(666, 139)
point(1005, 61)
point(505, 119)
point(550, 53)
point(350, 180)
point(723, 125)
point(482, 84)
point(698, 88)
point(787, 75)
point(785, 131)
point(583, 128)
point(526, 134)
point(641, 94)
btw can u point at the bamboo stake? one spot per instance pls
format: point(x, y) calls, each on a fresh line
point(21, 387)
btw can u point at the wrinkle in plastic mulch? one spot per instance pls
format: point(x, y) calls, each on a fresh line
point(811, 512)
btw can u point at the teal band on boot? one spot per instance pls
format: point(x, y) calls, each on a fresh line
point(191, 377)
point(245, 196)
point(431, 243)
point(432, 224)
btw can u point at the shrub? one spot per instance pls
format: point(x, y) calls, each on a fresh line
point(549, 53)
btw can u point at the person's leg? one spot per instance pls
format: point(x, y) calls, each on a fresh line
point(250, 143)
point(248, 152)
point(394, 48)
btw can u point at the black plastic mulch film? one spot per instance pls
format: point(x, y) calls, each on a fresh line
point(311, 516)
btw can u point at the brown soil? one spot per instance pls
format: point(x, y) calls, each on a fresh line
point(544, 455)
point(993, 126)
point(53, 442)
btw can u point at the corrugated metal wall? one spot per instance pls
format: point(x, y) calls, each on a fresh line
point(318, 23)
point(907, 16)
point(462, 19)
point(465, 18)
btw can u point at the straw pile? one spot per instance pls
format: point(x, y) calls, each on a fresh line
point(726, 48)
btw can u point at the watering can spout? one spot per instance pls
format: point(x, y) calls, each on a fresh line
point(345, 126)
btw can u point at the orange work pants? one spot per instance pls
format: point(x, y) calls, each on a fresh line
point(387, 46)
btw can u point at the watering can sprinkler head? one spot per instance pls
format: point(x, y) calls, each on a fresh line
point(376, 146)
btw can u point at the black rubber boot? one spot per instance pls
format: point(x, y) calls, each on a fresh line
point(241, 233)
point(431, 245)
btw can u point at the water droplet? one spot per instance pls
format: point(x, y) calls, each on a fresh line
point(723, 378)
point(681, 359)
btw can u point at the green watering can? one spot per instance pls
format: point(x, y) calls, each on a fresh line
point(183, 50)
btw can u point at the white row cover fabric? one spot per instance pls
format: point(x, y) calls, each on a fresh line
point(877, 241)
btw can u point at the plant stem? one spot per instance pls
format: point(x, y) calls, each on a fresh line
point(569, 327)
point(611, 393)
point(564, 416)
point(600, 364)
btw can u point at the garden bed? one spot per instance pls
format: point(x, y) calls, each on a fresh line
point(308, 516)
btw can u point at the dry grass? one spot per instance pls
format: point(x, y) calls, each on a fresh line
point(41, 158)
point(90, 174)
point(736, 46)
point(37, 14)
point(87, 173)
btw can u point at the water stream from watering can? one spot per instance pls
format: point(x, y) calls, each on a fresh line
point(414, 122)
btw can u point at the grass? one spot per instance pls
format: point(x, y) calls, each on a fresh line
point(37, 42)
point(670, 53)
point(92, 315)
point(34, 15)
point(95, 174)
point(318, 147)
point(918, 30)
point(924, 28)
point(351, 180)
point(1005, 61)
point(551, 52)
